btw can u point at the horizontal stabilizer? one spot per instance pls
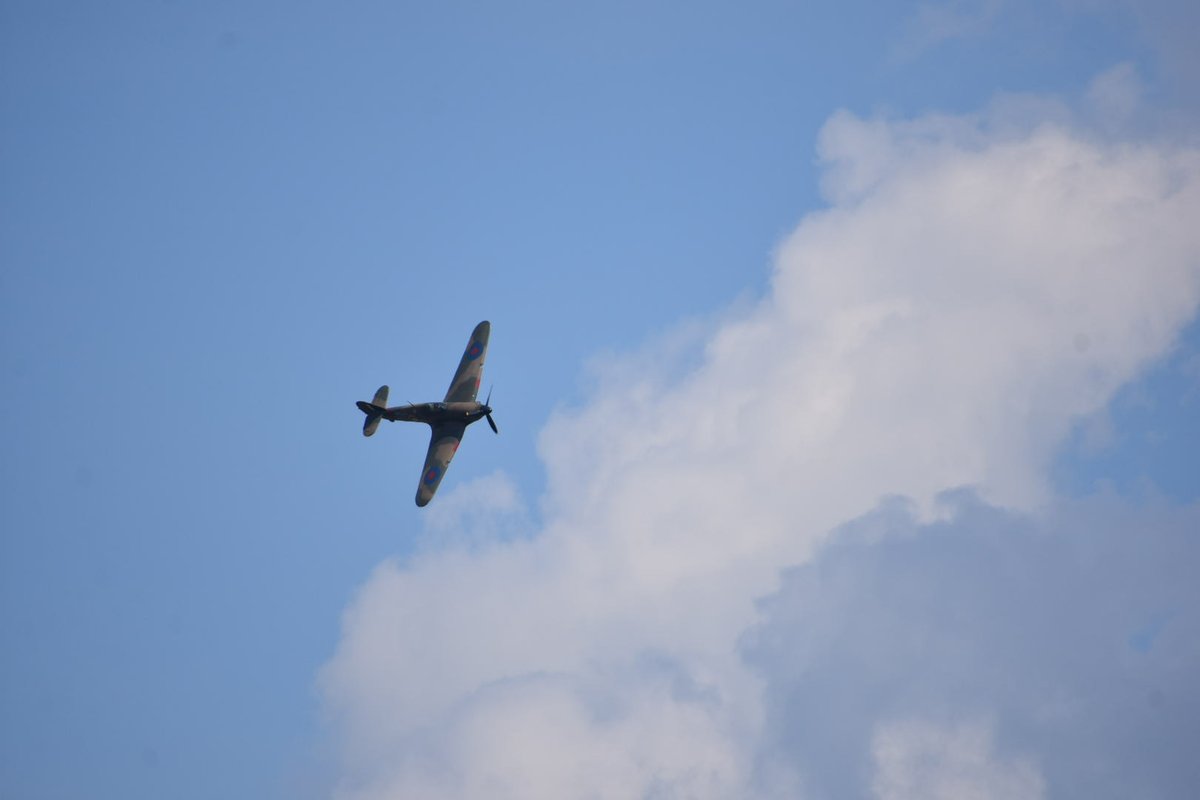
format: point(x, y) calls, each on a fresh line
point(371, 423)
point(374, 410)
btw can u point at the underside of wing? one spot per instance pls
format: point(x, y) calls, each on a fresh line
point(465, 385)
point(443, 444)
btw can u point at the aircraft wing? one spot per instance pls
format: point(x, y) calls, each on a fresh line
point(465, 385)
point(443, 444)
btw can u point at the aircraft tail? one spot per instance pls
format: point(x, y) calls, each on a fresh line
point(374, 410)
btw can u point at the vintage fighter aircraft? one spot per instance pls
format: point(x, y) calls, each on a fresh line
point(448, 419)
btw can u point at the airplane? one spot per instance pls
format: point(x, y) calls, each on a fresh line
point(448, 420)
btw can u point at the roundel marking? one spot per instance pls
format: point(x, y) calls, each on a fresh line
point(432, 475)
point(474, 351)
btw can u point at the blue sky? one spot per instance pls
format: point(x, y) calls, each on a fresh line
point(222, 223)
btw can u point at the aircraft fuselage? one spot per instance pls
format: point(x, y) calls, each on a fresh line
point(435, 413)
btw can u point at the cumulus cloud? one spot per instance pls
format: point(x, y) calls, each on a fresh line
point(975, 286)
point(990, 654)
point(1168, 28)
point(475, 514)
point(1116, 94)
point(922, 761)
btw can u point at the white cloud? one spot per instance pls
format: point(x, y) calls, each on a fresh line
point(990, 650)
point(554, 735)
point(920, 760)
point(1116, 94)
point(1169, 28)
point(476, 513)
point(922, 333)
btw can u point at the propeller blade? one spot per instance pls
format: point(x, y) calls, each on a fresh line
point(492, 422)
point(488, 402)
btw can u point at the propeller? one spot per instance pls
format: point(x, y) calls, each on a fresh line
point(488, 405)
